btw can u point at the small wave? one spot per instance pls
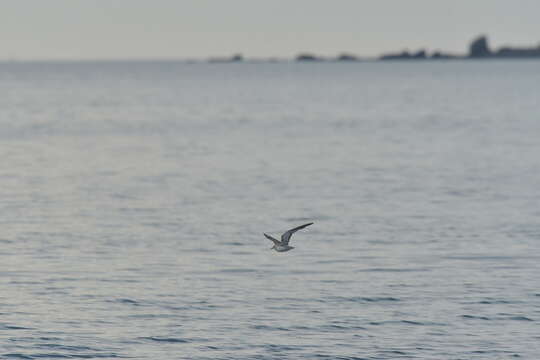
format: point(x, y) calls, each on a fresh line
point(371, 299)
point(343, 327)
point(521, 318)
point(278, 348)
point(285, 299)
point(481, 257)
point(475, 317)
point(271, 328)
point(49, 338)
point(120, 280)
point(334, 357)
point(300, 327)
point(42, 356)
point(410, 322)
point(392, 270)
point(241, 253)
point(395, 352)
point(13, 327)
point(237, 270)
point(126, 301)
point(232, 243)
point(17, 282)
point(60, 356)
point(334, 281)
point(495, 301)
point(495, 352)
point(165, 339)
point(66, 347)
point(407, 322)
point(148, 316)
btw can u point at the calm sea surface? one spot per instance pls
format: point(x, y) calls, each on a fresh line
point(133, 198)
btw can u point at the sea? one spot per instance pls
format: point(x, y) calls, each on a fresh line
point(134, 197)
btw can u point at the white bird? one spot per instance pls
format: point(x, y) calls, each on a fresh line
point(283, 245)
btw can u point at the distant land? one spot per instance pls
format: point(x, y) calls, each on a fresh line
point(478, 49)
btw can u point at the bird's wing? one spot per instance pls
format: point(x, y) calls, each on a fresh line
point(287, 234)
point(275, 241)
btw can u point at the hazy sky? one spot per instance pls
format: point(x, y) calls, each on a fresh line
point(119, 29)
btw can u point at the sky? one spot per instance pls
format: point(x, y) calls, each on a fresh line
point(191, 29)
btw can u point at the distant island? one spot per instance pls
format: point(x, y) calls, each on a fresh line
point(478, 49)
point(234, 58)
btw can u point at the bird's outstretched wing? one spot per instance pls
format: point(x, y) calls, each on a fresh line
point(275, 241)
point(287, 234)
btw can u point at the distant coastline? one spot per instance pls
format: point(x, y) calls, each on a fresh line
point(478, 49)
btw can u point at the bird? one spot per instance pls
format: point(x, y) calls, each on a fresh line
point(283, 245)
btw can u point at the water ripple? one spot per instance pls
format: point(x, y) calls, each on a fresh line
point(362, 299)
point(13, 327)
point(60, 356)
point(397, 270)
point(164, 339)
point(475, 317)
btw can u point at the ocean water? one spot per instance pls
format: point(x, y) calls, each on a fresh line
point(134, 197)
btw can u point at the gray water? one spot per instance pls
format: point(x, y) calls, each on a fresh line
point(134, 197)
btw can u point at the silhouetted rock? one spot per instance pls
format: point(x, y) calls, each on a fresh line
point(307, 57)
point(405, 55)
point(438, 55)
point(420, 54)
point(402, 55)
point(234, 58)
point(237, 57)
point(479, 48)
point(508, 52)
point(347, 57)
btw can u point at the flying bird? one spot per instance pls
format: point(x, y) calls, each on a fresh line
point(283, 245)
